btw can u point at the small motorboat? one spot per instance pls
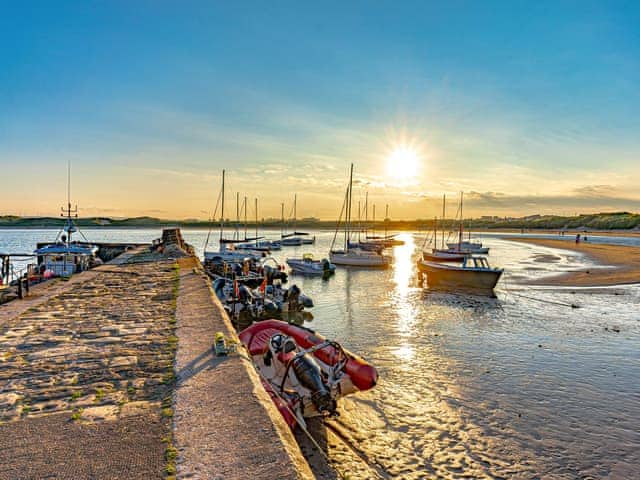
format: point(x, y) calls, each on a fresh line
point(308, 266)
point(304, 373)
point(474, 274)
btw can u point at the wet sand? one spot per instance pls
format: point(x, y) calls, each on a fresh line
point(617, 264)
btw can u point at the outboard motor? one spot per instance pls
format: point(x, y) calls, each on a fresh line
point(309, 375)
point(293, 298)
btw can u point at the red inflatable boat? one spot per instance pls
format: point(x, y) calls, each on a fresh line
point(304, 373)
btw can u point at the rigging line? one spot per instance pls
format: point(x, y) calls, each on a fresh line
point(211, 220)
point(335, 233)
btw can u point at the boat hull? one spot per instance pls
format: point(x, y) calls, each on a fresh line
point(315, 267)
point(442, 256)
point(458, 278)
point(358, 260)
point(358, 374)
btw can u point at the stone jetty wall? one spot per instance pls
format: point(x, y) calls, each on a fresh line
point(111, 375)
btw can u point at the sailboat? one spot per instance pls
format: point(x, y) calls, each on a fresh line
point(65, 256)
point(295, 238)
point(349, 256)
point(387, 240)
point(441, 255)
point(256, 246)
point(465, 246)
point(227, 251)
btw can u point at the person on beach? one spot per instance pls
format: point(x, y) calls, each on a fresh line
point(578, 238)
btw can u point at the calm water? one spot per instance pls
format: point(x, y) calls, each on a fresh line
point(513, 387)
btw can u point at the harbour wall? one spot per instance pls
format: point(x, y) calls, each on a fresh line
point(111, 374)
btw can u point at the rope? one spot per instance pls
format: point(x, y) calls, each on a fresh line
point(551, 302)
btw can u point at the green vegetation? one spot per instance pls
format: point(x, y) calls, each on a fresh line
point(600, 221)
point(76, 395)
point(77, 414)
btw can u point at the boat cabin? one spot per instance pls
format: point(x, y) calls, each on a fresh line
point(476, 262)
point(63, 260)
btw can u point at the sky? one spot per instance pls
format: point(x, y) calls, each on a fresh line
point(526, 107)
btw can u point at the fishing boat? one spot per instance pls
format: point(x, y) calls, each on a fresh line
point(294, 239)
point(474, 274)
point(64, 256)
point(308, 266)
point(304, 373)
point(354, 257)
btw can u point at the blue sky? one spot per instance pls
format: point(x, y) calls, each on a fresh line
point(529, 108)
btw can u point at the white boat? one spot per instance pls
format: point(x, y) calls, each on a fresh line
point(294, 239)
point(308, 266)
point(467, 247)
point(354, 257)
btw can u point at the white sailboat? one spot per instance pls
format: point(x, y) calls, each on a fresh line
point(295, 238)
point(355, 257)
point(227, 251)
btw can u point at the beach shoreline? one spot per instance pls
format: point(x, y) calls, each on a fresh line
point(616, 264)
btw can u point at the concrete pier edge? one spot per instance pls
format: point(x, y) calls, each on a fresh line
point(225, 425)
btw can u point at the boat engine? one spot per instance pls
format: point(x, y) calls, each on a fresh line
point(309, 375)
point(305, 368)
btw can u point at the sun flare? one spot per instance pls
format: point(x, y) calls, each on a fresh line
point(403, 163)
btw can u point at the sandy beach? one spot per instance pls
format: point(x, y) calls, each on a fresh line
point(622, 264)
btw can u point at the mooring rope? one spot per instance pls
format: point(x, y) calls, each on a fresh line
point(562, 304)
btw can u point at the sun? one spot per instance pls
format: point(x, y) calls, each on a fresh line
point(403, 163)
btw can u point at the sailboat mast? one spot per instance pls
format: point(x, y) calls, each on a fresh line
point(295, 203)
point(282, 223)
point(348, 223)
point(386, 219)
point(366, 213)
point(373, 222)
point(245, 217)
point(460, 231)
point(222, 214)
point(256, 220)
point(444, 203)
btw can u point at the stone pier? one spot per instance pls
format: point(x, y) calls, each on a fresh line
point(110, 376)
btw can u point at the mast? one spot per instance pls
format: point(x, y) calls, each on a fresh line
point(359, 221)
point(295, 201)
point(282, 223)
point(444, 202)
point(245, 217)
point(366, 213)
point(348, 223)
point(222, 214)
point(237, 232)
point(460, 230)
point(386, 220)
point(256, 201)
point(373, 222)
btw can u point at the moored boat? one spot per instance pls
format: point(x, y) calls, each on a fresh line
point(304, 373)
point(308, 266)
point(474, 274)
point(354, 257)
